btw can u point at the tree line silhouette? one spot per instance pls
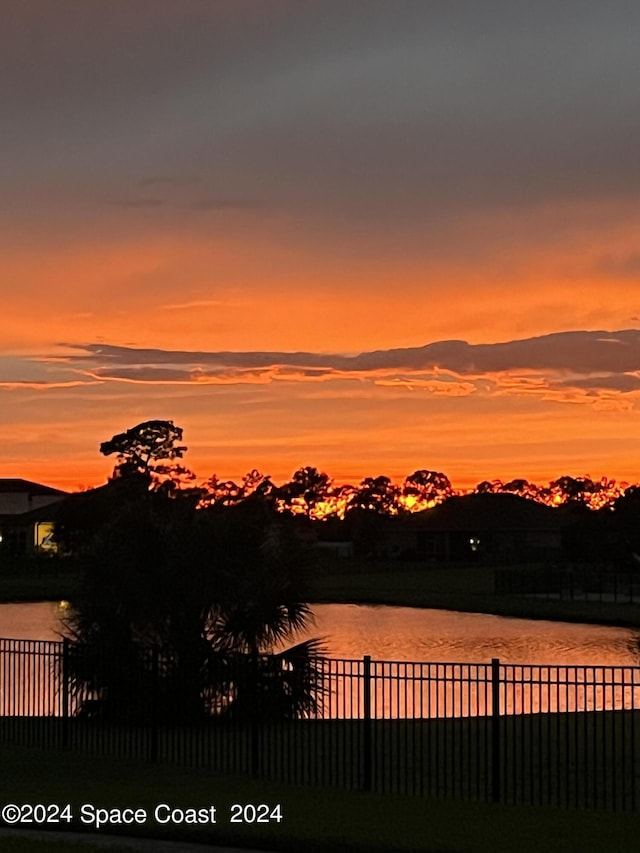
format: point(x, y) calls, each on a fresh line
point(150, 451)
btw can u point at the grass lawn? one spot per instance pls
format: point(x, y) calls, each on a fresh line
point(314, 820)
point(451, 587)
point(38, 579)
point(36, 845)
point(16, 588)
point(582, 759)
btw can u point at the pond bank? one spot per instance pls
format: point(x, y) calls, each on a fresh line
point(465, 589)
point(16, 588)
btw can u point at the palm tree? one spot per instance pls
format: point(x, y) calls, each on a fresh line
point(217, 592)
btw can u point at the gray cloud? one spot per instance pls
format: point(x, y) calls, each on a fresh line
point(576, 352)
point(397, 112)
point(564, 367)
point(623, 383)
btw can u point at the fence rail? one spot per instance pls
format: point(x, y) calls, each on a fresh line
point(556, 735)
point(581, 582)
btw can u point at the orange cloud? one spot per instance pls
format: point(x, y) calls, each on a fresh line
point(44, 386)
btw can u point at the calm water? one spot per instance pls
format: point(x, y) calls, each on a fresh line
point(457, 684)
point(410, 634)
point(406, 634)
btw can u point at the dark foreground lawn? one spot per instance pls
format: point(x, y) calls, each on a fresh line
point(314, 820)
point(37, 845)
point(589, 759)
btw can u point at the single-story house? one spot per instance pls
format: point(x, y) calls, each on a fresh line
point(496, 528)
point(27, 516)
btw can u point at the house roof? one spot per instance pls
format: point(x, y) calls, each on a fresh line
point(486, 512)
point(41, 513)
point(13, 485)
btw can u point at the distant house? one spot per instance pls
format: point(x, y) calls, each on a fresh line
point(27, 516)
point(339, 550)
point(494, 528)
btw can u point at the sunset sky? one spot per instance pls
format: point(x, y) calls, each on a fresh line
point(369, 236)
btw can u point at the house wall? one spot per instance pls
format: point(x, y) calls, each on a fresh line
point(20, 539)
point(343, 550)
point(494, 546)
point(15, 503)
point(16, 541)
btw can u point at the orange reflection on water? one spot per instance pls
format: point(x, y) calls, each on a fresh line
point(423, 691)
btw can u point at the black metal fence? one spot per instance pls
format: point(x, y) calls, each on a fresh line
point(556, 735)
point(579, 582)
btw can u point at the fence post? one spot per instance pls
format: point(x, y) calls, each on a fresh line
point(495, 730)
point(254, 712)
point(65, 692)
point(154, 703)
point(571, 582)
point(366, 746)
